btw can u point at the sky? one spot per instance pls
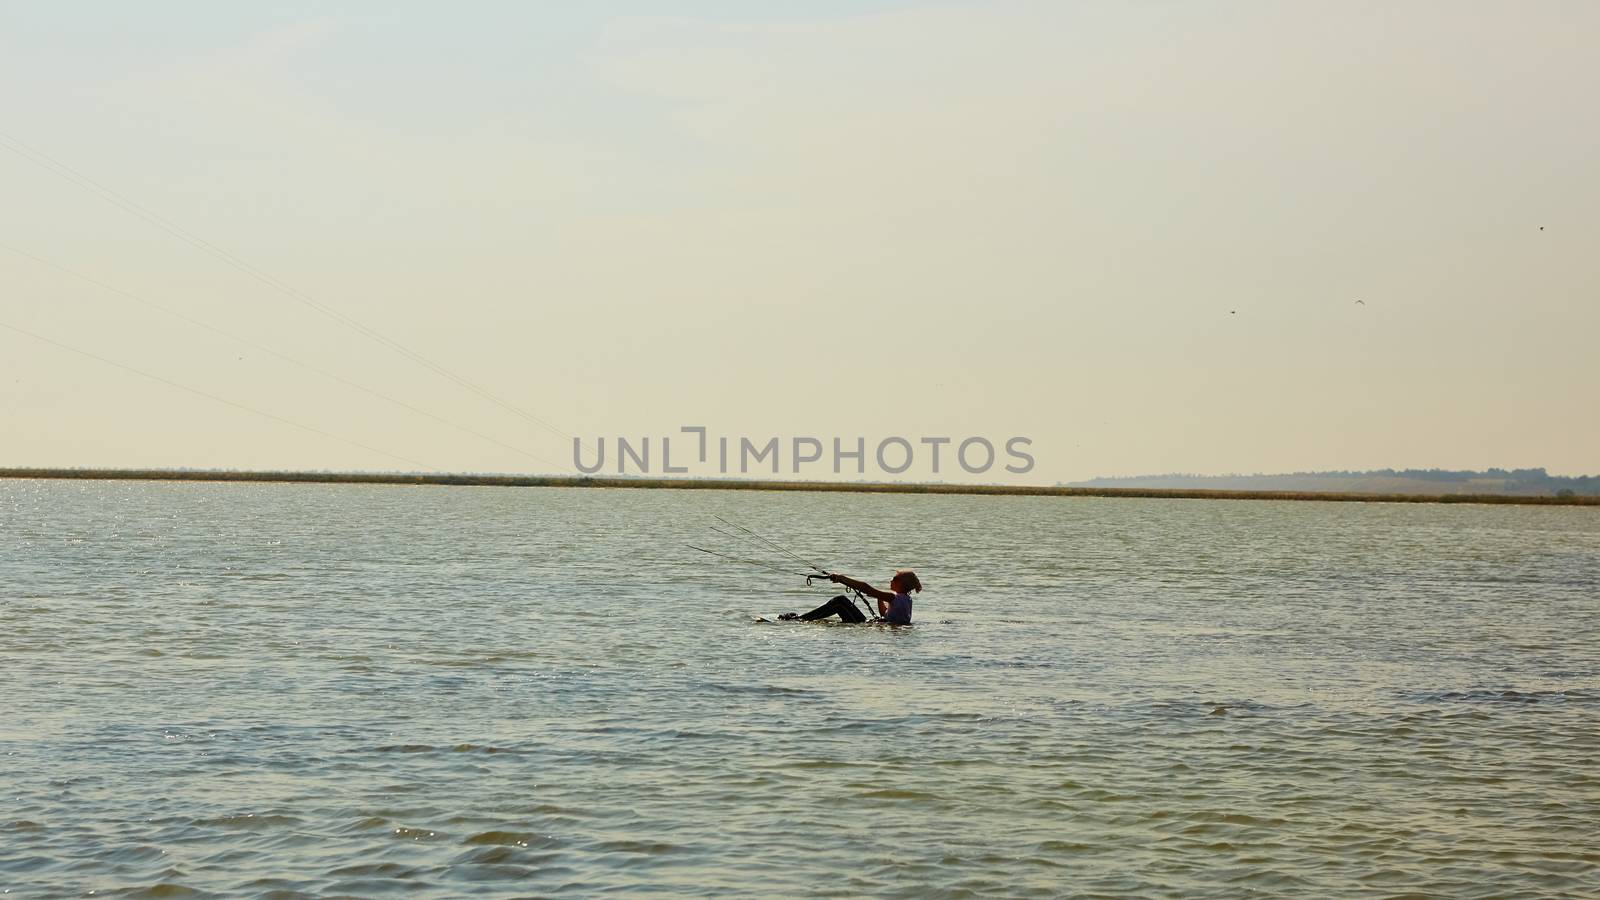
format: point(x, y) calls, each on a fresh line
point(1132, 233)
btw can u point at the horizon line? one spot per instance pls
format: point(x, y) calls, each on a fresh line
point(753, 484)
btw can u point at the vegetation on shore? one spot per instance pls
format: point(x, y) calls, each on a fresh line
point(413, 478)
point(1527, 482)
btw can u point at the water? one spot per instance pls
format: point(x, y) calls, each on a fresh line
point(313, 690)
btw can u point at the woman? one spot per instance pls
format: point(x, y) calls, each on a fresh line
point(894, 605)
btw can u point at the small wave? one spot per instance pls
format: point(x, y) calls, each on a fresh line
point(1490, 695)
point(487, 870)
point(898, 794)
point(30, 863)
point(824, 764)
point(490, 856)
point(1226, 818)
point(511, 839)
point(379, 870)
point(135, 853)
point(641, 848)
point(1099, 795)
point(248, 821)
point(1067, 847)
point(166, 889)
point(765, 690)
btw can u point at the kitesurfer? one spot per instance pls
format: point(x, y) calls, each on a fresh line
point(894, 604)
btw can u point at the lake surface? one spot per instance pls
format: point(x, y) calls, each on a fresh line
point(319, 690)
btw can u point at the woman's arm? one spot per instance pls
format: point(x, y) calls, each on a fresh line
point(861, 586)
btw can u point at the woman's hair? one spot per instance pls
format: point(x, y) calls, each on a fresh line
point(909, 579)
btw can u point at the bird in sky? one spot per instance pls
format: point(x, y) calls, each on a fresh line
point(1362, 302)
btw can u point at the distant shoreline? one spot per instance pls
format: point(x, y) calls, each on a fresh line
point(730, 484)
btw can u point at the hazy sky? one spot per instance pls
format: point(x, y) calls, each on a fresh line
point(1133, 232)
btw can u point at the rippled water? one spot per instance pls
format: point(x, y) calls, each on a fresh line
point(269, 689)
